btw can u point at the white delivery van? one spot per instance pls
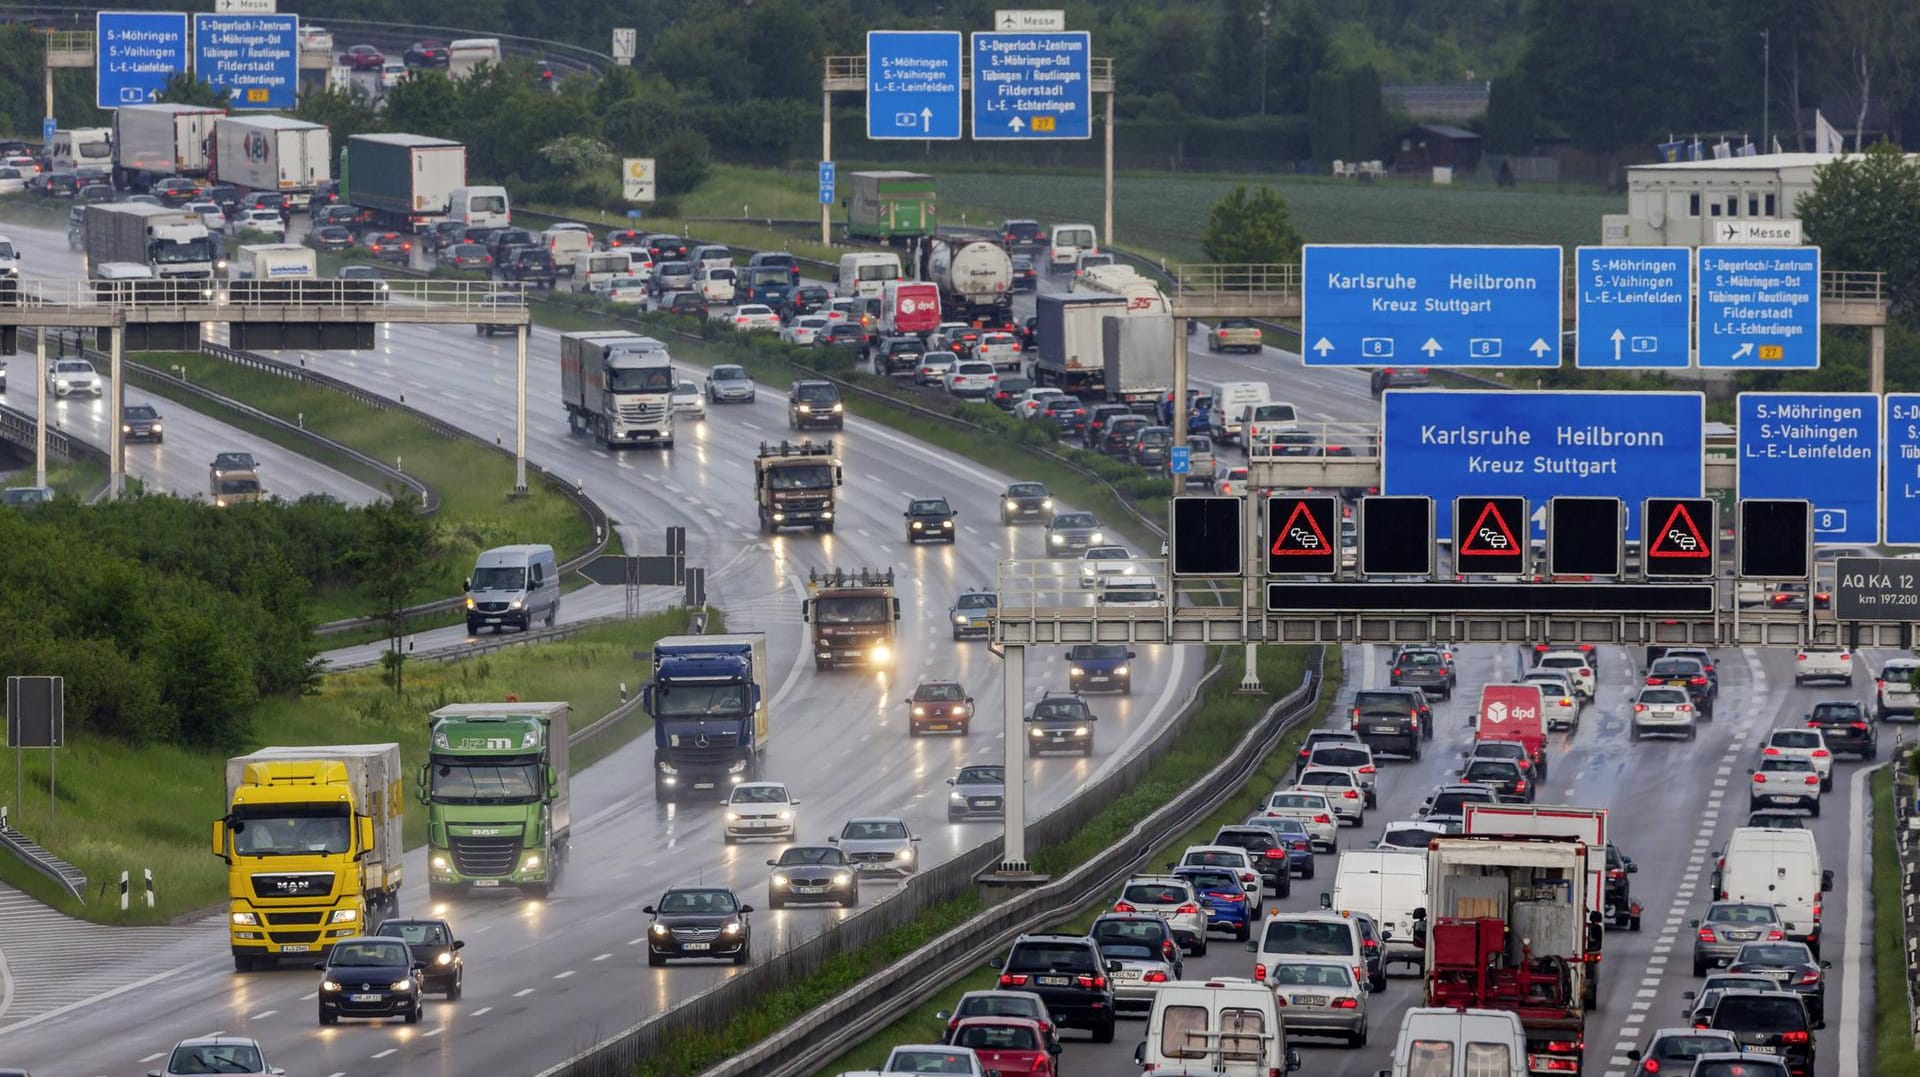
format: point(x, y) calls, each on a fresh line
point(1067, 243)
point(1230, 401)
point(866, 274)
point(480, 207)
point(565, 245)
point(1224, 1025)
point(1439, 1042)
point(1389, 885)
point(592, 270)
point(1779, 868)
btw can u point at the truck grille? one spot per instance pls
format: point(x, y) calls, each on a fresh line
point(800, 504)
point(293, 919)
point(642, 413)
point(485, 857)
point(295, 938)
point(292, 884)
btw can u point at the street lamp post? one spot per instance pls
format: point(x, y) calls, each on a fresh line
point(1266, 20)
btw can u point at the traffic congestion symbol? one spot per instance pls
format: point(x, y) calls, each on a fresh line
point(1301, 535)
point(1679, 536)
point(1298, 530)
point(1485, 535)
point(1489, 533)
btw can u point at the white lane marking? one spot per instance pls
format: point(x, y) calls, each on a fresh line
point(1852, 971)
point(385, 1053)
point(434, 1031)
point(481, 1012)
point(156, 1054)
point(263, 1015)
point(602, 957)
point(523, 992)
point(563, 975)
point(6, 986)
point(101, 997)
point(636, 942)
point(310, 996)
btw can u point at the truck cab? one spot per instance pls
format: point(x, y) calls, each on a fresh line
point(794, 485)
point(496, 786)
point(853, 614)
point(708, 701)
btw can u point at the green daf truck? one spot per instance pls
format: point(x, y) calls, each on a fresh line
point(496, 789)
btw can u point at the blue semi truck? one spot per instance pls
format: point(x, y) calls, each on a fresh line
point(708, 701)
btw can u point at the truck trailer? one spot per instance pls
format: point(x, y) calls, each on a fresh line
point(272, 153)
point(891, 206)
point(975, 280)
point(405, 181)
point(1510, 929)
point(174, 242)
point(274, 261)
point(312, 841)
point(708, 701)
point(496, 785)
point(618, 386)
point(154, 142)
point(1071, 351)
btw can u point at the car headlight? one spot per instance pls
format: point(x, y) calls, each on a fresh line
point(344, 916)
point(1079, 731)
point(658, 929)
point(1076, 671)
point(842, 878)
point(959, 618)
point(1096, 538)
point(785, 815)
point(1036, 732)
point(907, 853)
point(805, 410)
point(956, 795)
point(1119, 671)
point(155, 428)
point(837, 408)
point(515, 604)
point(469, 602)
point(1047, 504)
point(1056, 539)
point(443, 959)
point(881, 653)
point(919, 711)
point(248, 919)
point(916, 525)
point(1012, 505)
point(779, 879)
point(732, 928)
point(948, 524)
point(733, 817)
point(401, 985)
point(329, 985)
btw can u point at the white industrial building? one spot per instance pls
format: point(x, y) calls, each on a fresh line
point(1677, 204)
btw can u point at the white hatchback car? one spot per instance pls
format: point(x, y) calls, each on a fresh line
point(1000, 349)
point(1893, 691)
point(1801, 743)
point(628, 291)
point(1343, 791)
point(1577, 666)
point(969, 378)
point(759, 810)
point(1099, 562)
point(1313, 809)
point(1559, 703)
point(258, 220)
point(1662, 708)
point(1823, 664)
point(688, 400)
point(1171, 898)
point(804, 329)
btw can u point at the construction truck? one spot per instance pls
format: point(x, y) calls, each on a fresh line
point(793, 485)
point(496, 785)
point(312, 841)
point(174, 242)
point(1511, 929)
point(618, 386)
point(853, 616)
point(234, 478)
point(708, 701)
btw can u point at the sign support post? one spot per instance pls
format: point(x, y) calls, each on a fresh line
point(1013, 858)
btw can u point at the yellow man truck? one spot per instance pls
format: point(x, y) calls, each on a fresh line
point(312, 844)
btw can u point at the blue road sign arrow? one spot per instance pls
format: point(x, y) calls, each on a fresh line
point(135, 53)
point(1032, 86)
point(1439, 306)
point(1633, 307)
point(1823, 447)
point(1902, 509)
point(1445, 444)
point(1180, 459)
point(913, 84)
point(1759, 308)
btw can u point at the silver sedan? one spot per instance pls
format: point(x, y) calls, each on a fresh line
point(877, 845)
point(1141, 975)
point(1322, 998)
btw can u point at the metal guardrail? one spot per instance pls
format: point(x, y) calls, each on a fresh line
point(456, 651)
point(1906, 846)
point(63, 874)
point(830, 1029)
point(484, 301)
point(1210, 281)
point(572, 491)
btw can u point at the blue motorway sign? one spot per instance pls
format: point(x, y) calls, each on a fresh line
point(1446, 444)
point(1902, 511)
point(48, 126)
point(913, 84)
point(1180, 460)
point(1633, 307)
point(255, 59)
point(1759, 308)
point(1435, 306)
point(826, 183)
point(1029, 87)
point(135, 53)
point(1823, 447)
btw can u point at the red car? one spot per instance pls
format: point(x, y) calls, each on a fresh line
point(363, 58)
point(1013, 1046)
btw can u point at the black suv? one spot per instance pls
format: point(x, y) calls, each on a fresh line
point(815, 404)
point(1772, 1022)
point(1097, 421)
point(1268, 854)
point(665, 246)
point(1017, 234)
point(529, 265)
point(432, 943)
point(929, 518)
point(1060, 722)
point(898, 355)
point(1847, 727)
point(810, 299)
point(1619, 889)
point(1393, 719)
point(504, 240)
point(1068, 974)
point(1686, 673)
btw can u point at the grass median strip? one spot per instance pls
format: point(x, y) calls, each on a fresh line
point(473, 481)
point(177, 791)
point(1894, 1054)
point(1222, 719)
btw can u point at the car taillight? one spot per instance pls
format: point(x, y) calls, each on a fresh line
point(1121, 906)
point(1322, 819)
point(1275, 854)
point(1860, 727)
point(1351, 795)
point(1368, 769)
point(1564, 1046)
point(1346, 1004)
point(1696, 680)
point(1369, 944)
point(1616, 873)
point(1188, 909)
point(1820, 753)
point(1794, 1037)
point(1520, 785)
point(1586, 673)
point(1259, 972)
point(1639, 706)
point(1775, 936)
point(1759, 777)
point(1706, 934)
point(1771, 751)
point(1650, 1066)
point(1816, 910)
point(1813, 779)
point(1396, 672)
point(1096, 983)
point(1302, 846)
point(1012, 979)
point(1653, 680)
point(1231, 898)
point(1809, 977)
point(1155, 977)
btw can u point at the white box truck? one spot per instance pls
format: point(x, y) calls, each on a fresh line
point(174, 242)
point(272, 153)
point(153, 142)
point(274, 261)
point(617, 386)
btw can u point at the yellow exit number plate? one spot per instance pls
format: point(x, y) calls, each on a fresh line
point(1772, 351)
point(1043, 123)
point(257, 95)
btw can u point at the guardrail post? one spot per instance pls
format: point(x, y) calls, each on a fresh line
point(123, 891)
point(148, 873)
point(1013, 858)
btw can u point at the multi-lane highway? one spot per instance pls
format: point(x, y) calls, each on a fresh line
point(567, 967)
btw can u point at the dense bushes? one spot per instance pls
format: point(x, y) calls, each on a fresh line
point(169, 618)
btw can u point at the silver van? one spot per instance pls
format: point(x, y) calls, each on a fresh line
point(513, 585)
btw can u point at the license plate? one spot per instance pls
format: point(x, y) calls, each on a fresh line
point(1759, 1049)
point(1743, 936)
point(809, 889)
point(703, 785)
point(1309, 1000)
point(1097, 678)
point(486, 882)
point(942, 726)
point(1127, 974)
point(1053, 981)
point(697, 946)
point(1384, 729)
point(295, 949)
point(364, 998)
point(492, 620)
point(987, 804)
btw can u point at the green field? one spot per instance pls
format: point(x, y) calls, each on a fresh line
point(124, 809)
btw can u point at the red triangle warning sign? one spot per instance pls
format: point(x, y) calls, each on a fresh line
point(1489, 534)
point(1679, 536)
point(1300, 535)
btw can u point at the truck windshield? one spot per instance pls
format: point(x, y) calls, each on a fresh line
point(469, 782)
point(175, 252)
point(487, 203)
point(883, 271)
point(291, 831)
point(499, 578)
point(699, 700)
point(805, 477)
point(851, 610)
point(657, 379)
